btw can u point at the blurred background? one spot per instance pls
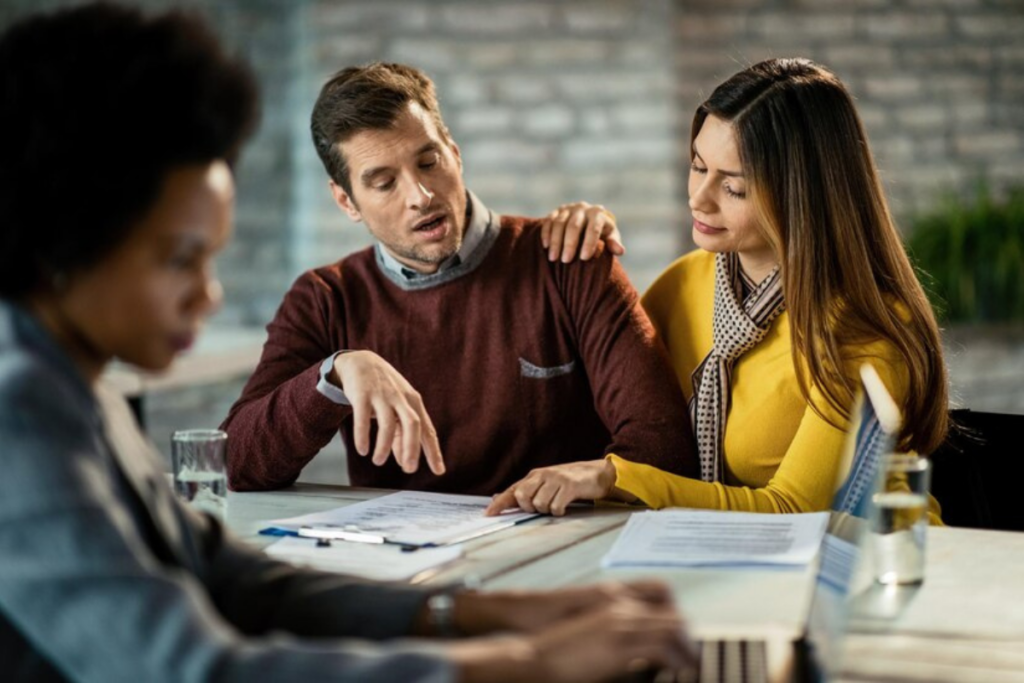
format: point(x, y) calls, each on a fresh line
point(582, 99)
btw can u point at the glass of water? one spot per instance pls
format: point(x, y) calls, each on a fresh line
point(901, 520)
point(200, 475)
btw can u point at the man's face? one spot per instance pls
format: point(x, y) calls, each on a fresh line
point(407, 186)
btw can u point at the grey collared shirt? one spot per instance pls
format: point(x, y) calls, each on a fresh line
point(476, 228)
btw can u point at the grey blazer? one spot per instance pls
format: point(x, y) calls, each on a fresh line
point(106, 577)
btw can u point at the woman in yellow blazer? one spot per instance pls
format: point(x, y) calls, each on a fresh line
point(801, 276)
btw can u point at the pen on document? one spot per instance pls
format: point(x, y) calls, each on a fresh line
point(335, 534)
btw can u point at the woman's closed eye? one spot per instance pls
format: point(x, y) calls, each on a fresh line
point(735, 194)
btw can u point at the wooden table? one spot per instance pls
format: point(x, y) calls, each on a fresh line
point(966, 623)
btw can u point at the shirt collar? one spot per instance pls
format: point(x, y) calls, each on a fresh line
point(476, 227)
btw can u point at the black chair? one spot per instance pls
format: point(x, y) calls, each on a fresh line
point(978, 473)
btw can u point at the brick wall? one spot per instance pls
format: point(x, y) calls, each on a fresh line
point(256, 266)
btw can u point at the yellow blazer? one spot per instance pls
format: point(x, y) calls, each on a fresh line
point(780, 456)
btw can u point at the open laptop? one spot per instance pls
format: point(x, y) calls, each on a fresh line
point(814, 655)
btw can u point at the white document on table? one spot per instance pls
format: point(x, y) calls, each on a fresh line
point(412, 518)
point(682, 538)
point(378, 562)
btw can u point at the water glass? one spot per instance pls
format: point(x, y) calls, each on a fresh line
point(901, 520)
point(199, 458)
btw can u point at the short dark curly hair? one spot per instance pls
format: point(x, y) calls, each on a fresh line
point(97, 104)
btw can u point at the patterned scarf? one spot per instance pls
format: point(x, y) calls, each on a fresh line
point(743, 313)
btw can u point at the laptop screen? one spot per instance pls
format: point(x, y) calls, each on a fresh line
point(874, 425)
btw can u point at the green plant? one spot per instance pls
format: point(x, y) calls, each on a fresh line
point(971, 254)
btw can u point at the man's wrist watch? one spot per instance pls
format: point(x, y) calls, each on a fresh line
point(441, 614)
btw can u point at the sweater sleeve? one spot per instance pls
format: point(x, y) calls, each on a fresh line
point(281, 421)
point(634, 387)
point(804, 482)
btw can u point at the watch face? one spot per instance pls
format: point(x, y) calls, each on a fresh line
point(441, 614)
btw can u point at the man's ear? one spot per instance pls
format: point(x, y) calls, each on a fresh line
point(458, 154)
point(345, 202)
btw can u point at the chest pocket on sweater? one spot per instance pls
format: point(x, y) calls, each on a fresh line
point(557, 409)
point(528, 369)
point(551, 394)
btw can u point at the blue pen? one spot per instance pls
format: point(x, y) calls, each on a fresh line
point(328, 533)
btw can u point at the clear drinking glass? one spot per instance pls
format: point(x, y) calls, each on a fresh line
point(901, 520)
point(200, 476)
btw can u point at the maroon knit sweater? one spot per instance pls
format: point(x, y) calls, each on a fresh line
point(473, 347)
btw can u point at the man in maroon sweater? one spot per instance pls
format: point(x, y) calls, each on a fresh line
point(455, 318)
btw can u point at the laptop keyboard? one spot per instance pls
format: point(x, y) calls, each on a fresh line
point(732, 661)
point(721, 661)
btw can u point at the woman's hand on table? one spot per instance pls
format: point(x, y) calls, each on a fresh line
point(551, 489)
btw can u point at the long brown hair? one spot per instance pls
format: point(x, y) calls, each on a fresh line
point(846, 276)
